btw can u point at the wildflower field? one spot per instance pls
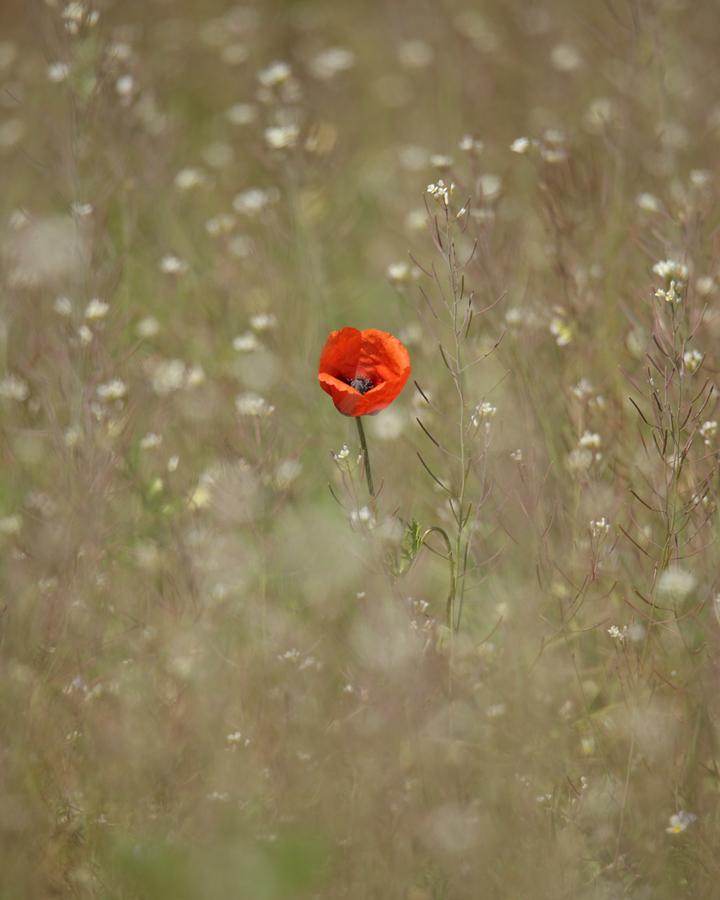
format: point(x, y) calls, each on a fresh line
point(360, 454)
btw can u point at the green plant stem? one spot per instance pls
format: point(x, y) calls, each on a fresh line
point(366, 455)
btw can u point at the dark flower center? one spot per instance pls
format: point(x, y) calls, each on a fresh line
point(363, 385)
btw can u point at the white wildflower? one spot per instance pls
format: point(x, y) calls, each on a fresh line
point(222, 223)
point(274, 74)
point(520, 145)
point(281, 137)
point(483, 413)
point(566, 58)
point(287, 472)
point(150, 441)
point(168, 375)
point(189, 178)
point(671, 294)
point(590, 439)
point(599, 527)
point(14, 388)
point(252, 404)
point(579, 461)
point(96, 309)
point(263, 321)
point(441, 161)
point(252, 201)
point(490, 186)
point(112, 390)
point(671, 270)
point(648, 202)
point(241, 114)
point(618, 634)
point(708, 430)
point(676, 582)
point(561, 331)
point(441, 191)
point(680, 821)
point(342, 454)
point(10, 524)
point(173, 265)
point(125, 86)
point(469, 144)
point(692, 360)
point(329, 63)
point(147, 327)
point(246, 342)
point(57, 72)
point(706, 285)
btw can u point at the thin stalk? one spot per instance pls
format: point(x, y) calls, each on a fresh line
point(366, 455)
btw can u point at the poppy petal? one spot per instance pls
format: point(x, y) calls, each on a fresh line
point(371, 355)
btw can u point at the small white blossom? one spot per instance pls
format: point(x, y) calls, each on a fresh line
point(692, 360)
point(579, 460)
point(590, 439)
point(96, 309)
point(706, 285)
point(252, 201)
point(441, 191)
point(342, 454)
point(173, 265)
point(680, 821)
point(274, 74)
point(263, 321)
point(490, 185)
point(582, 389)
point(14, 388)
point(63, 306)
point(150, 441)
point(329, 63)
point(147, 327)
point(10, 524)
point(125, 86)
point(566, 58)
point(708, 430)
point(189, 178)
point(520, 145)
point(648, 202)
point(168, 375)
point(483, 413)
point(252, 404)
point(363, 515)
point(469, 144)
point(58, 72)
point(671, 294)
point(246, 342)
point(599, 527)
point(676, 582)
point(671, 270)
point(222, 223)
point(241, 114)
point(561, 331)
point(112, 390)
point(441, 161)
point(618, 634)
point(281, 137)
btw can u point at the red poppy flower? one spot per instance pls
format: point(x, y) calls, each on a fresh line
point(363, 371)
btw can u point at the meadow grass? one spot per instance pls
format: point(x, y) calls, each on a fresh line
point(227, 671)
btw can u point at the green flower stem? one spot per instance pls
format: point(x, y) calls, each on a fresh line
point(366, 455)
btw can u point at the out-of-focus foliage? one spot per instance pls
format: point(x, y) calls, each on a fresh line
point(219, 678)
